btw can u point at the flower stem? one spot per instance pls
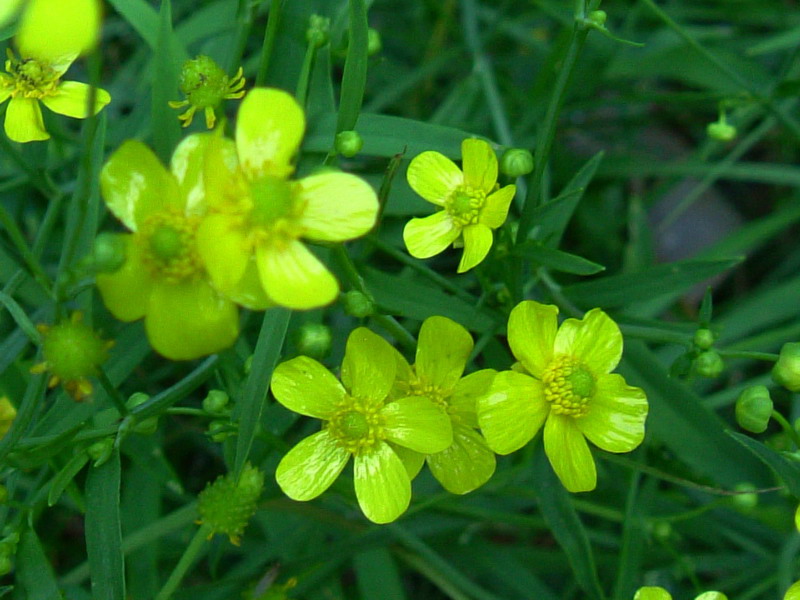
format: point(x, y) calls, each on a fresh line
point(269, 41)
point(113, 393)
point(787, 427)
point(185, 562)
point(767, 356)
point(305, 74)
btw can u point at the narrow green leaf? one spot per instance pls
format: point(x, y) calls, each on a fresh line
point(166, 67)
point(354, 78)
point(787, 470)
point(556, 506)
point(104, 531)
point(655, 282)
point(142, 17)
point(251, 404)
point(706, 308)
point(163, 400)
point(20, 318)
point(26, 411)
point(377, 575)
point(34, 573)
point(64, 476)
point(557, 260)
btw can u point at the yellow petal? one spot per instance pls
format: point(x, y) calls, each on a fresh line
point(189, 319)
point(7, 10)
point(466, 465)
point(434, 176)
point(480, 164)
point(269, 128)
point(126, 291)
point(304, 386)
point(462, 405)
point(569, 454)
point(442, 352)
point(339, 206)
point(595, 340)
point(495, 212)
point(52, 29)
point(616, 416)
point(135, 184)
point(431, 235)
point(222, 176)
point(224, 251)
point(368, 368)
point(188, 164)
point(72, 99)
point(531, 334)
point(383, 487)
point(249, 292)
point(293, 277)
point(311, 466)
point(477, 243)
point(6, 87)
point(24, 121)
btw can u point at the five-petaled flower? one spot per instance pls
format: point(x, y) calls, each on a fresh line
point(359, 422)
point(471, 201)
point(566, 385)
point(250, 242)
point(163, 279)
point(442, 352)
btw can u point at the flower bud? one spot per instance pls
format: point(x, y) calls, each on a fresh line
point(711, 596)
point(374, 42)
point(754, 409)
point(5, 564)
point(357, 304)
point(220, 430)
point(216, 402)
point(314, 340)
point(203, 81)
point(3, 494)
point(704, 338)
point(109, 252)
point(227, 505)
point(793, 593)
point(786, 371)
point(146, 426)
point(721, 131)
point(516, 162)
point(348, 143)
point(597, 18)
point(318, 30)
point(747, 498)
point(662, 531)
point(709, 364)
point(100, 451)
point(7, 415)
point(652, 593)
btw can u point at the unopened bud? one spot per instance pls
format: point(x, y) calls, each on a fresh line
point(357, 304)
point(314, 340)
point(109, 252)
point(786, 371)
point(215, 402)
point(516, 162)
point(374, 42)
point(709, 364)
point(721, 131)
point(652, 593)
point(704, 338)
point(318, 30)
point(754, 409)
point(348, 143)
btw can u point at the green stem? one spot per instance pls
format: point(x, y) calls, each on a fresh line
point(787, 427)
point(269, 41)
point(305, 74)
point(766, 356)
point(397, 331)
point(27, 255)
point(184, 564)
point(113, 393)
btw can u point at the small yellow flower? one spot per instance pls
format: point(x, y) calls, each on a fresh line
point(471, 201)
point(258, 216)
point(7, 415)
point(563, 382)
point(163, 279)
point(206, 85)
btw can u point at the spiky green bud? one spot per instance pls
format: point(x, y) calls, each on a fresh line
point(227, 505)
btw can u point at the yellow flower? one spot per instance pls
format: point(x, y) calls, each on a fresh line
point(163, 279)
point(31, 80)
point(206, 85)
point(442, 353)
point(471, 201)
point(566, 385)
point(258, 216)
point(7, 415)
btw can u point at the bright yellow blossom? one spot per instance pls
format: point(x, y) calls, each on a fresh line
point(258, 216)
point(566, 385)
point(471, 201)
point(442, 352)
point(163, 279)
point(7, 415)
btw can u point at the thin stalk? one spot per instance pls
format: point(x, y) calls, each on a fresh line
point(305, 74)
point(269, 41)
point(766, 356)
point(27, 255)
point(113, 393)
point(184, 564)
point(787, 427)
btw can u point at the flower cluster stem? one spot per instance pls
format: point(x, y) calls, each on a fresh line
point(787, 427)
point(184, 564)
point(269, 41)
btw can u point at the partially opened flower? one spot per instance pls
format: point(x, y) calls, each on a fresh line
point(162, 278)
point(259, 216)
point(472, 205)
point(358, 422)
point(567, 386)
point(442, 352)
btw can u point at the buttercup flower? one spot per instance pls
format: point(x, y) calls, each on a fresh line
point(471, 201)
point(163, 279)
point(566, 385)
point(206, 85)
point(358, 423)
point(442, 352)
point(258, 216)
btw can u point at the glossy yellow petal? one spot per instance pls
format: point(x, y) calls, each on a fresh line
point(412, 461)
point(512, 412)
point(531, 334)
point(417, 423)
point(249, 292)
point(188, 165)
point(223, 179)
point(311, 466)
point(616, 416)
point(126, 292)
point(480, 164)
point(595, 340)
point(495, 212)
point(434, 176)
point(135, 184)
point(52, 29)
point(6, 87)
point(293, 277)
point(569, 454)
point(24, 121)
point(7, 10)
point(338, 206)
point(304, 386)
point(383, 488)
point(431, 235)
point(463, 402)
point(368, 368)
point(188, 320)
point(72, 99)
point(466, 464)
point(477, 243)
point(442, 352)
point(269, 128)
point(224, 251)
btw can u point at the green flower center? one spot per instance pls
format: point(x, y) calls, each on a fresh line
point(568, 386)
point(275, 210)
point(168, 247)
point(31, 78)
point(72, 350)
point(464, 205)
point(357, 425)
